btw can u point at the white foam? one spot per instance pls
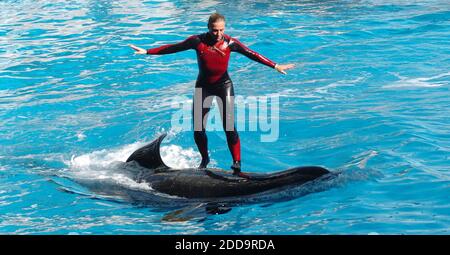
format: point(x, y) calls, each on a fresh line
point(177, 157)
point(103, 165)
point(421, 82)
point(103, 158)
point(344, 83)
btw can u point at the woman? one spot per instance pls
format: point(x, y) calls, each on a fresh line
point(213, 53)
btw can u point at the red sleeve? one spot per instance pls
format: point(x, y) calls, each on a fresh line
point(189, 43)
point(237, 46)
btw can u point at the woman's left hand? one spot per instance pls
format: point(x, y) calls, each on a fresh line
point(282, 68)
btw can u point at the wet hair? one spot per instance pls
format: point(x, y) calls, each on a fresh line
point(214, 18)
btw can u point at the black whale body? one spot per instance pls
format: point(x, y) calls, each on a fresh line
point(210, 182)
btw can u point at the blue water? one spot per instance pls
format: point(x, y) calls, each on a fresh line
point(369, 98)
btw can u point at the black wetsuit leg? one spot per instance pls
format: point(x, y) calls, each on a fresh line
point(203, 97)
point(202, 104)
point(225, 92)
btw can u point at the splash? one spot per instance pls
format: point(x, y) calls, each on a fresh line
point(107, 165)
point(177, 157)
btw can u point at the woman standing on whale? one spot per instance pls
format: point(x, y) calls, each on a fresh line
point(213, 53)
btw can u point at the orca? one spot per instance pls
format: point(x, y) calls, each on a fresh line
point(206, 183)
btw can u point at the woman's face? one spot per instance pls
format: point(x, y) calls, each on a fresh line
point(217, 29)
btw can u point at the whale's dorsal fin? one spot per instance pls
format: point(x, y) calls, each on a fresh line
point(149, 155)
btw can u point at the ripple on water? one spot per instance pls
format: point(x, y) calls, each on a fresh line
point(368, 98)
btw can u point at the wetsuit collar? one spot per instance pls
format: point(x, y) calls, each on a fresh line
point(213, 40)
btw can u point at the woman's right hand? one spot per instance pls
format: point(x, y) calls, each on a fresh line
point(137, 49)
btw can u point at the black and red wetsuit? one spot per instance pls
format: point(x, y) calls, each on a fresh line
point(213, 80)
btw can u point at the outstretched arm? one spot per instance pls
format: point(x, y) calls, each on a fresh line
point(237, 46)
point(187, 44)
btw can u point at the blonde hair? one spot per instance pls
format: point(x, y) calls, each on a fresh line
point(214, 18)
